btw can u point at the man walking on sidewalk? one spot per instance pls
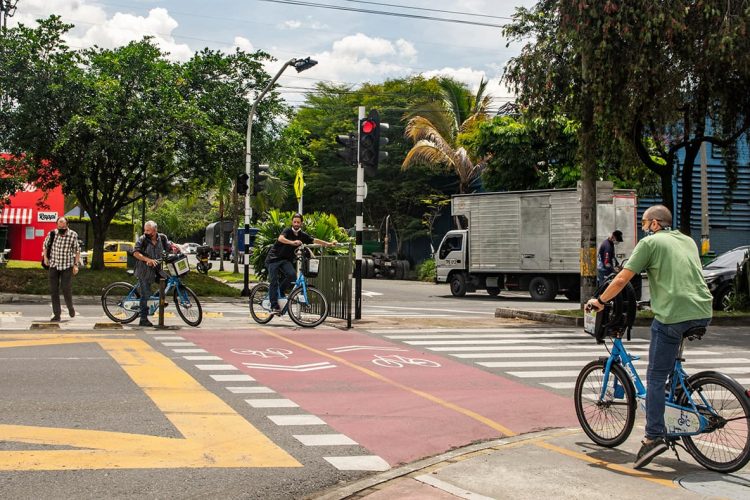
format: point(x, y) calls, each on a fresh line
point(62, 253)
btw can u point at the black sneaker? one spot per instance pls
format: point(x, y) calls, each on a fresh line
point(145, 322)
point(649, 451)
point(276, 311)
point(54, 319)
point(72, 313)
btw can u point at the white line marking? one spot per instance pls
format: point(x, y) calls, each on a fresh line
point(560, 385)
point(179, 344)
point(296, 420)
point(545, 374)
point(449, 488)
point(202, 358)
point(348, 348)
point(189, 351)
point(233, 378)
point(297, 368)
point(271, 403)
point(364, 462)
point(216, 368)
point(251, 390)
point(324, 439)
point(171, 337)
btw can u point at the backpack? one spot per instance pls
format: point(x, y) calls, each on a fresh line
point(48, 248)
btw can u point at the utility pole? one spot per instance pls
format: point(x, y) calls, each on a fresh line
point(7, 9)
point(361, 193)
point(705, 243)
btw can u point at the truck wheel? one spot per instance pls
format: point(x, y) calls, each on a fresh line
point(542, 289)
point(493, 290)
point(458, 285)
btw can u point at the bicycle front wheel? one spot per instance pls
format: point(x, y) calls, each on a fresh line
point(607, 421)
point(188, 306)
point(307, 310)
point(260, 307)
point(121, 302)
point(725, 446)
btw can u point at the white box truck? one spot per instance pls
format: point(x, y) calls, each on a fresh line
point(529, 240)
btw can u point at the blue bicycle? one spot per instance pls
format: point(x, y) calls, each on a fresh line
point(709, 411)
point(306, 305)
point(122, 301)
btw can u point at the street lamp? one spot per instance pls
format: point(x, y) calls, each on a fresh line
point(300, 65)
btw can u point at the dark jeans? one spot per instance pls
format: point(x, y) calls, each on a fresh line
point(665, 343)
point(61, 280)
point(144, 290)
point(280, 273)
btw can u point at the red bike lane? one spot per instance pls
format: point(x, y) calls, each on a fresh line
point(399, 402)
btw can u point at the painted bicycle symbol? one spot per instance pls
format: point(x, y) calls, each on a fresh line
point(271, 352)
point(684, 420)
point(397, 361)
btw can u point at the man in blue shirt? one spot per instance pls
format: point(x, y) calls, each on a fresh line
point(606, 262)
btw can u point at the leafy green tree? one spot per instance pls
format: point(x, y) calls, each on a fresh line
point(122, 124)
point(438, 127)
point(331, 110)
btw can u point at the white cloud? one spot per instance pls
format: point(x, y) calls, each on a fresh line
point(472, 78)
point(292, 24)
point(242, 43)
point(93, 27)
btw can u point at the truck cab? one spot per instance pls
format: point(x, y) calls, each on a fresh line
point(450, 260)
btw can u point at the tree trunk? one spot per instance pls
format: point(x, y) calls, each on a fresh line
point(588, 190)
point(691, 153)
point(221, 231)
point(236, 244)
point(99, 229)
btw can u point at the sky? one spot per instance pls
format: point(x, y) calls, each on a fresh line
point(351, 47)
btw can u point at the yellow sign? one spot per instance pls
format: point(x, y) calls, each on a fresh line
point(212, 433)
point(299, 184)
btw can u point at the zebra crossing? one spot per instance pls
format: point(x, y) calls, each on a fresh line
point(551, 358)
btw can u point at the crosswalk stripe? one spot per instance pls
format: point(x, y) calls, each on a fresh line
point(533, 354)
point(547, 373)
point(493, 341)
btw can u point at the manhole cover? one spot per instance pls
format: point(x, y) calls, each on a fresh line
point(730, 486)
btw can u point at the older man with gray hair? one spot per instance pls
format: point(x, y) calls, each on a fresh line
point(149, 247)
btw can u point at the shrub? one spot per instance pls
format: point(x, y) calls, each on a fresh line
point(426, 271)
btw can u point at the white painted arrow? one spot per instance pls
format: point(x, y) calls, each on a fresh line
point(370, 294)
point(293, 368)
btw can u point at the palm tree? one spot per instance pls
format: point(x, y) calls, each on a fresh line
point(437, 128)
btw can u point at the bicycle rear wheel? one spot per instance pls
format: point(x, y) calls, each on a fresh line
point(188, 306)
point(726, 448)
point(609, 421)
point(120, 302)
point(310, 310)
point(260, 307)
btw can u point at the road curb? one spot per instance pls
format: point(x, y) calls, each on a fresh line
point(20, 298)
point(446, 458)
point(558, 319)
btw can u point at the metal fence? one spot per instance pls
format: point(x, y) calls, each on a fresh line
point(334, 279)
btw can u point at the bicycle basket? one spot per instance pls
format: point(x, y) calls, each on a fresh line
point(617, 317)
point(310, 267)
point(177, 265)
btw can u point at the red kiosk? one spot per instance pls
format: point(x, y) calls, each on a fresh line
point(27, 224)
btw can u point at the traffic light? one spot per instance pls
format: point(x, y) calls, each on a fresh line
point(242, 184)
point(349, 152)
point(260, 175)
point(370, 141)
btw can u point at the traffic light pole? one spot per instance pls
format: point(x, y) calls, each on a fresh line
point(359, 226)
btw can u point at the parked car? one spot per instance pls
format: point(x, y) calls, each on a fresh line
point(719, 275)
point(116, 253)
point(189, 248)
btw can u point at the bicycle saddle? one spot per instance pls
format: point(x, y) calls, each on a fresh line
point(694, 333)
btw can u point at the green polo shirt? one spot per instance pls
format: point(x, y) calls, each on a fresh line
point(678, 290)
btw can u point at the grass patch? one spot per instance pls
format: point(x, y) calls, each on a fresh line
point(231, 277)
point(34, 281)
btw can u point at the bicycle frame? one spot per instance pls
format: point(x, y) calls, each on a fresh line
point(171, 283)
point(677, 386)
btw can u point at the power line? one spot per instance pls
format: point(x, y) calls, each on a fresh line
point(429, 10)
point(381, 12)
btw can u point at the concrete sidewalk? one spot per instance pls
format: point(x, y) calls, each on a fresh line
point(561, 463)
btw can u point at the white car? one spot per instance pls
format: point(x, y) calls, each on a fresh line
point(189, 247)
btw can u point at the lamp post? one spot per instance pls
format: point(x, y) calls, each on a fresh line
point(7, 9)
point(300, 65)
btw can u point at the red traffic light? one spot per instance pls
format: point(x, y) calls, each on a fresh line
point(368, 126)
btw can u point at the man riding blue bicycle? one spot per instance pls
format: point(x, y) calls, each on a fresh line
point(680, 300)
point(281, 272)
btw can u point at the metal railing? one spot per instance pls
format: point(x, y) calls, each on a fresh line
point(334, 279)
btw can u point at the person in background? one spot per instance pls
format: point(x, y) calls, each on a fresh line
point(680, 300)
point(149, 247)
point(280, 258)
point(62, 253)
point(606, 262)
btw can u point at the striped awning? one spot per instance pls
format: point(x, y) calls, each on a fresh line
point(16, 216)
